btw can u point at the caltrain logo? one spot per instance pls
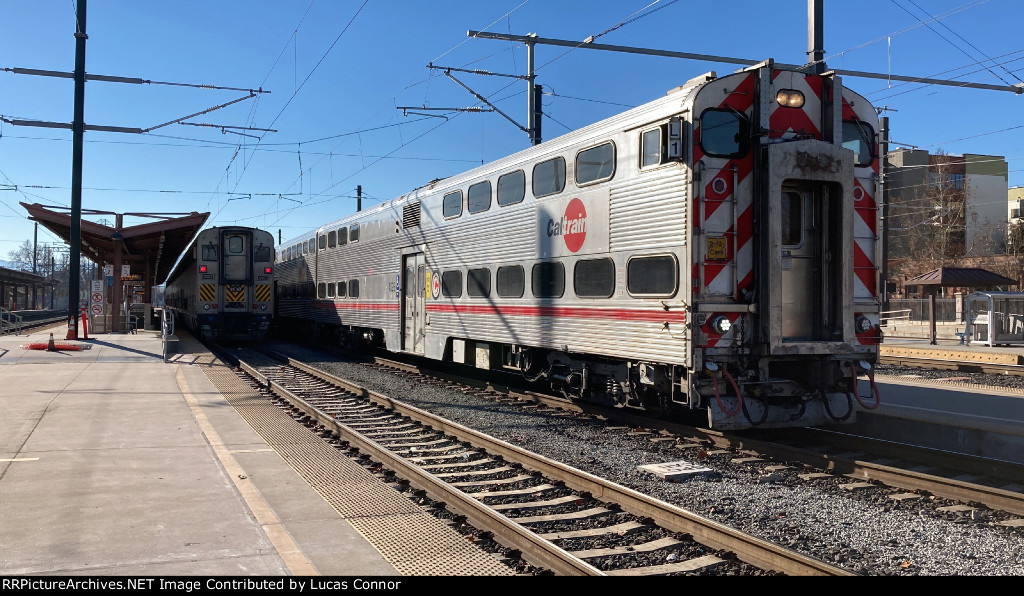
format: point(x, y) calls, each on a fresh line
point(572, 227)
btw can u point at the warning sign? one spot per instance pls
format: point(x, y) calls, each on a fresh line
point(717, 250)
point(96, 298)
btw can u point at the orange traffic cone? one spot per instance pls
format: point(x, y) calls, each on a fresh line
point(72, 329)
point(49, 346)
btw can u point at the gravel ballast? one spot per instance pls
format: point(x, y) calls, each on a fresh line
point(862, 530)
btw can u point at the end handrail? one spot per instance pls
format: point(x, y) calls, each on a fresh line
point(10, 320)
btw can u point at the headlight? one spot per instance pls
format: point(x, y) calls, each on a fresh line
point(721, 324)
point(790, 98)
point(206, 307)
point(863, 325)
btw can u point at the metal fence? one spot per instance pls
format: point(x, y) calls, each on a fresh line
point(917, 309)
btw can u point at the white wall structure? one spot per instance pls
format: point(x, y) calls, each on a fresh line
point(985, 213)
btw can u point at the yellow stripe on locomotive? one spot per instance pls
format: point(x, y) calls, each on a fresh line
point(234, 293)
point(262, 293)
point(208, 292)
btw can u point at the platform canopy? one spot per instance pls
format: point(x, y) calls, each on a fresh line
point(960, 277)
point(150, 249)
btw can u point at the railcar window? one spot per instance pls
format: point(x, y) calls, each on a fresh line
point(792, 219)
point(860, 137)
point(511, 187)
point(479, 197)
point(451, 284)
point(330, 290)
point(341, 289)
point(724, 133)
point(452, 204)
point(652, 276)
point(353, 288)
point(549, 177)
point(511, 281)
point(264, 254)
point(651, 148)
point(322, 241)
point(595, 164)
point(321, 290)
point(235, 244)
point(342, 236)
point(548, 280)
point(210, 252)
point(478, 283)
point(353, 233)
point(594, 278)
point(332, 239)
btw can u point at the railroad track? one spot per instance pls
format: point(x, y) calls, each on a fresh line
point(559, 518)
point(966, 484)
point(34, 324)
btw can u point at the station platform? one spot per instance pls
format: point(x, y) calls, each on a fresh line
point(951, 349)
point(119, 459)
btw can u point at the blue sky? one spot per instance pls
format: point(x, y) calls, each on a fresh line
point(336, 74)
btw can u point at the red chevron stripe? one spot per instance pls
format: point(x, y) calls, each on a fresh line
point(864, 268)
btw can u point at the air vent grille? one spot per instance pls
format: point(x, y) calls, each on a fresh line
point(411, 215)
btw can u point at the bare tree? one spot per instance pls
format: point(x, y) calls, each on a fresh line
point(21, 257)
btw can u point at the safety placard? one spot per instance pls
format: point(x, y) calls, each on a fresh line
point(717, 249)
point(96, 297)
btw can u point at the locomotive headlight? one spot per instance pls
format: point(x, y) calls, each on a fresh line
point(721, 324)
point(206, 307)
point(863, 324)
point(790, 98)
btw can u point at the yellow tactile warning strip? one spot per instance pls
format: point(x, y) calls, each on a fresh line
point(207, 292)
point(290, 553)
point(963, 355)
point(412, 540)
point(262, 293)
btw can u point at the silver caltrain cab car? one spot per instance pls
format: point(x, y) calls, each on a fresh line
point(714, 250)
point(222, 287)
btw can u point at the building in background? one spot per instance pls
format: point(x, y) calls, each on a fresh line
point(945, 207)
point(947, 210)
point(1015, 204)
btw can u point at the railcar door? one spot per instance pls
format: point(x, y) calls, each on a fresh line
point(236, 269)
point(414, 309)
point(809, 291)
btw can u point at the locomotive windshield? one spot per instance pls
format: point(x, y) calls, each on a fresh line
point(859, 137)
point(724, 133)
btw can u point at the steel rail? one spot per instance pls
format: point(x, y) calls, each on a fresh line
point(750, 549)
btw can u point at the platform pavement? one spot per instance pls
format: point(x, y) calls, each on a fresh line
point(952, 349)
point(146, 470)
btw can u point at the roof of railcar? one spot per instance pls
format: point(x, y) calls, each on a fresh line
point(617, 121)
